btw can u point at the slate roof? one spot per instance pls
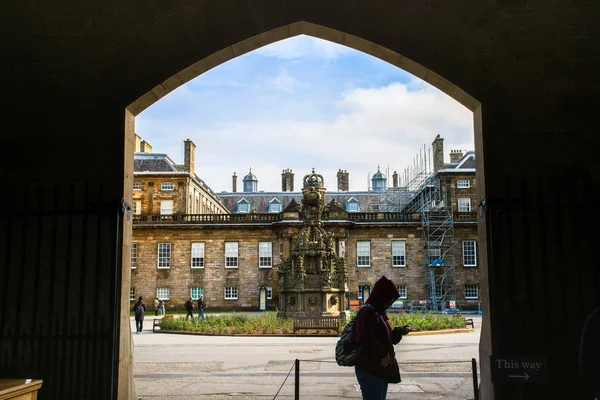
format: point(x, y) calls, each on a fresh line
point(259, 201)
point(465, 164)
point(156, 165)
point(159, 162)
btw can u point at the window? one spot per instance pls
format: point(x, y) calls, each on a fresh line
point(196, 292)
point(274, 206)
point(137, 207)
point(438, 292)
point(363, 252)
point(197, 255)
point(166, 207)
point(471, 291)
point(398, 253)
point(162, 293)
point(133, 255)
point(243, 206)
point(231, 254)
point(231, 293)
point(269, 292)
point(464, 205)
point(132, 293)
point(463, 183)
point(265, 254)
point(352, 206)
point(164, 255)
point(470, 253)
point(402, 291)
point(435, 253)
point(137, 185)
point(167, 186)
point(360, 293)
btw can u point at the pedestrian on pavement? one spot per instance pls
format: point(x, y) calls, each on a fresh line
point(201, 307)
point(139, 308)
point(161, 307)
point(376, 365)
point(155, 306)
point(189, 307)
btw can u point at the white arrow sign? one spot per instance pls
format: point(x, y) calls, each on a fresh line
point(525, 375)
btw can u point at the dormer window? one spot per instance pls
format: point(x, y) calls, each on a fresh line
point(243, 206)
point(274, 206)
point(167, 186)
point(352, 205)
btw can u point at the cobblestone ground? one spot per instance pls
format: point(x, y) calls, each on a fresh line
point(186, 367)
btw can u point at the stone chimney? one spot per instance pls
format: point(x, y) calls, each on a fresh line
point(145, 147)
point(438, 153)
point(234, 182)
point(138, 143)
point(287, 180)
point(189, 157)
point(456, 155)
point(343, 181)
point(395, 179)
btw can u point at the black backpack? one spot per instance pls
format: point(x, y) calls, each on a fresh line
point(346, 350)
point(139, 310)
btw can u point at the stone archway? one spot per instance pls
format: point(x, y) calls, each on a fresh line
point(295, 29)
point(321, 32)
point(70, 69)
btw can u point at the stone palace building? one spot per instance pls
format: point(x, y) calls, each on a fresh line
point(189, 241)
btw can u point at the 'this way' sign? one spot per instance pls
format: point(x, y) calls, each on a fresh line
point(519, 369)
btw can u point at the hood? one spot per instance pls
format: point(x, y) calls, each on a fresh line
point(383, 294)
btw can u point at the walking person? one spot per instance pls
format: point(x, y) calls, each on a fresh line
point(161, 307)
point(155, 306)
point(139, 308)
point(189, 307)
point(201, 307)
point(376, 365)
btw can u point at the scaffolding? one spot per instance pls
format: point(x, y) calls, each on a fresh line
point(421, 192)
point(427, 198)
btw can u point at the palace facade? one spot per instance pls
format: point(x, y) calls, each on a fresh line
point(190, 241)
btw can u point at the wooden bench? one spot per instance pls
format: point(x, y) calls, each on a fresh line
point(307, 323)
point(469, 321)
point(157, 321)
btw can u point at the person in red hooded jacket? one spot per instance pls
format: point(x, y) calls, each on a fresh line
point(376, 365)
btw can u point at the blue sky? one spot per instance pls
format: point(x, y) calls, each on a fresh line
point(303, 103)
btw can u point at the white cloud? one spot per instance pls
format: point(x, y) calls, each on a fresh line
point(384, 126)
point(302, 46)
point(283, 81)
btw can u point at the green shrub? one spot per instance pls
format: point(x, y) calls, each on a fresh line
point(269, 323)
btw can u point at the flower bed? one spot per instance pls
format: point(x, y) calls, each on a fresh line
point(267, 323)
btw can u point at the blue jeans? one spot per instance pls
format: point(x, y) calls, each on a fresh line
point(371, 386)
point(139, 325)
point(201, 313)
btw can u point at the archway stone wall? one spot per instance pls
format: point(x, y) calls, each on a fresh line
point(70, 70)
point(288, 31)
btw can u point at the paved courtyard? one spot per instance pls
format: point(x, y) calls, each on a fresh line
point(186, 367)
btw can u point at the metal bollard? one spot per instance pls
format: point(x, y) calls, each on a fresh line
point(475, 385)
point(297, 381)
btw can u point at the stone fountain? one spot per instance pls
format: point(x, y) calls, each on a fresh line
point(313, 278)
